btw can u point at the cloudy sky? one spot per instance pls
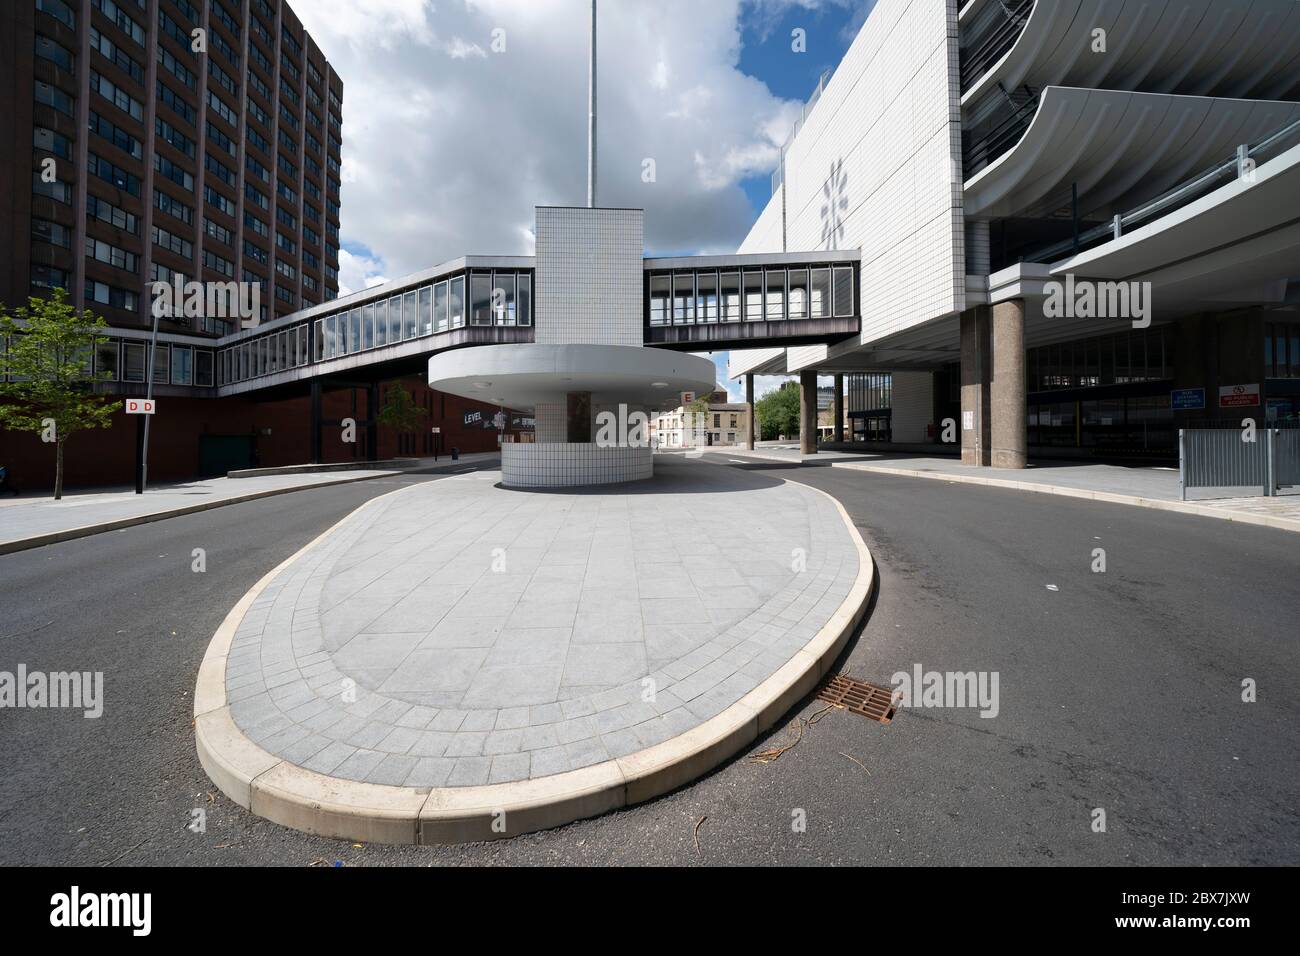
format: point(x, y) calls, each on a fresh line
point(460, 116)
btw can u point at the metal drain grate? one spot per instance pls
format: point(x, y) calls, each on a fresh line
point(870, 700)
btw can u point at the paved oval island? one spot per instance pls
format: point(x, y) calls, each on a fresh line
point(456, 661)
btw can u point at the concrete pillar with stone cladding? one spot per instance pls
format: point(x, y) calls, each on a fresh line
point(751, 435)
point(975, 439)
point(808, 413)
point(1008, 398)
point(838, 434)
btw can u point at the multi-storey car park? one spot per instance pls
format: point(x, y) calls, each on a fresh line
point(978, 152)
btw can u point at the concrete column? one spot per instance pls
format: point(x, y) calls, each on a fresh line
point(579, 418)
point(808, 413)
point(975, 386)
point(1008, 397)
point(751, 437)
point(838, 434)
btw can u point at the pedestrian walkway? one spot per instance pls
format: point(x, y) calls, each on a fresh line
point(457, 634)
point(1145, 485)
point(29, 522)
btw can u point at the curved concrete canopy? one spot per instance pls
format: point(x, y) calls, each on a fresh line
point(1121, 148)
point(520, 376)
point(1235, 48)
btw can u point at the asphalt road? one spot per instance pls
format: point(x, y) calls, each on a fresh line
point(1118, 690)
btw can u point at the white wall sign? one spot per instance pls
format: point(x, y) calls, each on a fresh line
point(968, 421)
point(141, 406)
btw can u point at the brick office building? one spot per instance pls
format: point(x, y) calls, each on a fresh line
point(147, 140)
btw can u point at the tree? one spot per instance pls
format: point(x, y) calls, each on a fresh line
point(696, 422)
point(778, 412)
point(51, 346)
point(399, 411)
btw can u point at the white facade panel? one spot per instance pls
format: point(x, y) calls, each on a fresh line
point(877, 165)
point(765, 236)
point(589, 276)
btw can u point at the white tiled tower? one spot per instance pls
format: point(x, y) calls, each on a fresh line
point(590, 286)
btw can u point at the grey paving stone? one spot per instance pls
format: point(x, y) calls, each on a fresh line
point(552, 760)
point(392, 771)
point(509, 767)
point(329, 758)
point(470, 772)
point(430, 772)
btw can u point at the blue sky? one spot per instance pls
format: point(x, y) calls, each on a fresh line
point(766, 54)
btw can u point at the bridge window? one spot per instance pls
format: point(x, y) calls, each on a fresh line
point(331, 336)
point(426, 310)
point(684, 299)
point(753, 296)
point(367, 326)
point(730, 297)
point(480, 291)
point(440, 307)
point(354, 330)
point(661, 291)
point(775, 295)
point(394, 320)
point(821, 294)
point(302, 345)
point(844, 290)
point(707, 296)
point(525, 308)
point(410, 322)
point(456, 307)
point(798, 293)
point(381, 323)
point(503, 298)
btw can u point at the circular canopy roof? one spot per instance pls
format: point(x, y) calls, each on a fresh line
point(520, 376)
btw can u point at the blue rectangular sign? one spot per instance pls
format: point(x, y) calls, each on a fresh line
point(1187, 399)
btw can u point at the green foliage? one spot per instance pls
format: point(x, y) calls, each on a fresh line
point(778, 412)
point(399, 411)
point(51, 346)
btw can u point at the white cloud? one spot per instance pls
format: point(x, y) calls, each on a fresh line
point(449, 145)
point(358, 272)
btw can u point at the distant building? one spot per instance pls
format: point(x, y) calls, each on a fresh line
point(725, 423)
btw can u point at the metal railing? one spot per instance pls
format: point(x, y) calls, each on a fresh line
point(1268, 459)
point(778, 176)
point(1181, 195)
point(977, 59)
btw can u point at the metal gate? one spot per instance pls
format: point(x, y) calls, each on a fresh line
point(1224, 458)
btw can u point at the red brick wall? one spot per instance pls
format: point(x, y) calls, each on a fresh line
point(282, 431)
